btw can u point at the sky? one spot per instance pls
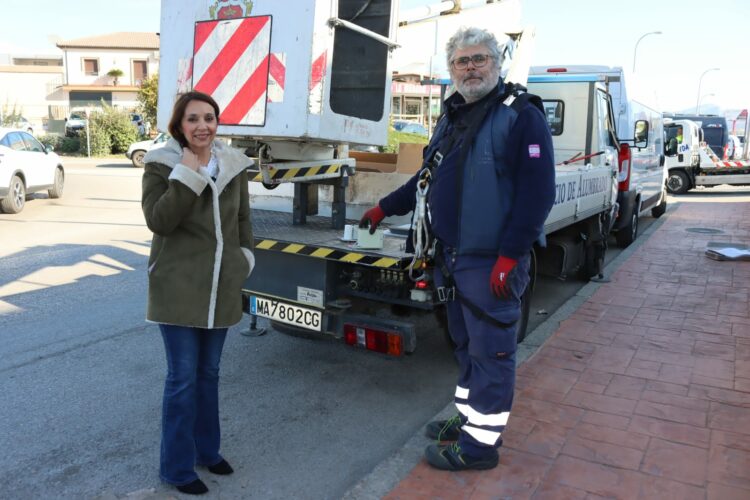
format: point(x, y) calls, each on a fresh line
point(696, 35)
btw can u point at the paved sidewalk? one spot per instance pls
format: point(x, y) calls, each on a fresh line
point(643, 392)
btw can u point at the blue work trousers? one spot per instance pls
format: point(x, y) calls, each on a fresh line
point(486, 352)
point(190, 431)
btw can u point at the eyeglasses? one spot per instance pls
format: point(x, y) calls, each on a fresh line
point(479, 60)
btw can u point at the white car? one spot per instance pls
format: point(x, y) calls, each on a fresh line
point(138, 150)
point(26, 167)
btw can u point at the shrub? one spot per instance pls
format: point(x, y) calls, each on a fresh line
point(115, 124)
point(52, 140)
point(71, 145)
point(101, 142)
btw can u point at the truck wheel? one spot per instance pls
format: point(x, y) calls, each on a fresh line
point(627, 234)
point(661, 208)
point(678, 182)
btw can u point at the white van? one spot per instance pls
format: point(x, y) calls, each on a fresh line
point(640, 131)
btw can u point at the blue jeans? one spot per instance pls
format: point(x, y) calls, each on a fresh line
point(190, 432)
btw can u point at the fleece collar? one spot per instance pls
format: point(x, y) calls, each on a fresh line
point(231, 161)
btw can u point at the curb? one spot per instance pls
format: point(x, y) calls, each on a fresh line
point(393, 469)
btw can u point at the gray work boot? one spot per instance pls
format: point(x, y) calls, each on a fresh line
point(444, 430)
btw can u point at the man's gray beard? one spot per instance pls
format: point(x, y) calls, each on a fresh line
point(472, 94)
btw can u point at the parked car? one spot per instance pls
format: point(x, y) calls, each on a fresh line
point(23, 124)
point(138, 150)
point(26, 167)
point(74, 123)
point(409, 127)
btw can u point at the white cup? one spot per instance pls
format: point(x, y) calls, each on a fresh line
point(349, 232)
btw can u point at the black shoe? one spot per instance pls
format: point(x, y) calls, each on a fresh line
point(444, 430)
point(222, 468)
point(197, 487)
point(451, 458)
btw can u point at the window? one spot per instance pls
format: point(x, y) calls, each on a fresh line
point(359, 63)
point(32, 144)
point(91, 67)
point(16, 142)
point(554, 111)
point(140, 72)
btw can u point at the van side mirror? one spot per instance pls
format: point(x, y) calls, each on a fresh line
point(640, 134)
point(49, 148)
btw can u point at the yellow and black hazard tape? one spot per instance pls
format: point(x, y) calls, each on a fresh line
point(329, 254)
point(280, 175)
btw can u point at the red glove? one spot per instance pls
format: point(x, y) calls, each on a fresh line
point(499, 277)
point(372, 218)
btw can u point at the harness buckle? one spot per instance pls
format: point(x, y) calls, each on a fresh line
point(446, 294)
point(438, 158)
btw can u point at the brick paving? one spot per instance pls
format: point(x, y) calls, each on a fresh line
point(643, 392)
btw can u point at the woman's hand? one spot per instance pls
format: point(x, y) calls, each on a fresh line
point(190, 159)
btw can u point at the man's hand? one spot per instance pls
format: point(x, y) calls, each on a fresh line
point(372, 218)
point(499, 276)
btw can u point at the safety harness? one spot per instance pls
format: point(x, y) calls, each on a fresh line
point(424, 245)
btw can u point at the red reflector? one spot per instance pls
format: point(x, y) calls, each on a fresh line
point(624, 159)
point(374, 340)
point(557, 70)
point(421, 285)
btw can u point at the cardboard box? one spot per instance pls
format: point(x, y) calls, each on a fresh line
point(374, 162)
point(409, 158)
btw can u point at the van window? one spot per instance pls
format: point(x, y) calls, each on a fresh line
point(554, 111)
point(607, 133)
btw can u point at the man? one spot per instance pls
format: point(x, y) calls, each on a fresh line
point(674, 143)
point(492, 188)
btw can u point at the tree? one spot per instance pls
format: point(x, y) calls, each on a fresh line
point(147, 98)
point(115, 73)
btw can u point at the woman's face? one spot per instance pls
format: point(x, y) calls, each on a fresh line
point(199, 124)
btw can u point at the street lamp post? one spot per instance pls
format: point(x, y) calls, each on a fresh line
point(700, 100)
point(700, 81)
point(635, 50)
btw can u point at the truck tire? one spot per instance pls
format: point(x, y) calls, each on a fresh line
point(661, 208)
point(678, 182)
point(627, 234)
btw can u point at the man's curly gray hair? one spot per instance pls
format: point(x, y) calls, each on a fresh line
point(466, 37)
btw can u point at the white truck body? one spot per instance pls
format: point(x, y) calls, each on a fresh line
point(273, 70)
point(642, 183)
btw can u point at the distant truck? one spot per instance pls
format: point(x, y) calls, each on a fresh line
point(694, 162)
point(715, 130)
point(639, 138)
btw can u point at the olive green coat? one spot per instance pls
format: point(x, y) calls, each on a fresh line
point(201, 252)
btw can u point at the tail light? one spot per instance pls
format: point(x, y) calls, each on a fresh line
point(372, 339)
point(624, 158)
point(557, 70)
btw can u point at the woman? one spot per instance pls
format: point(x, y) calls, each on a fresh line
point(196, 202)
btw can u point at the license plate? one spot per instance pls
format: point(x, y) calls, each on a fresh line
point(286, 313)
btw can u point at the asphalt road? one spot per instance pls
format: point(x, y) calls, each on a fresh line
point(81, 373)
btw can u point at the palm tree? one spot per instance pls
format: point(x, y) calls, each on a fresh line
point(115, 73)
